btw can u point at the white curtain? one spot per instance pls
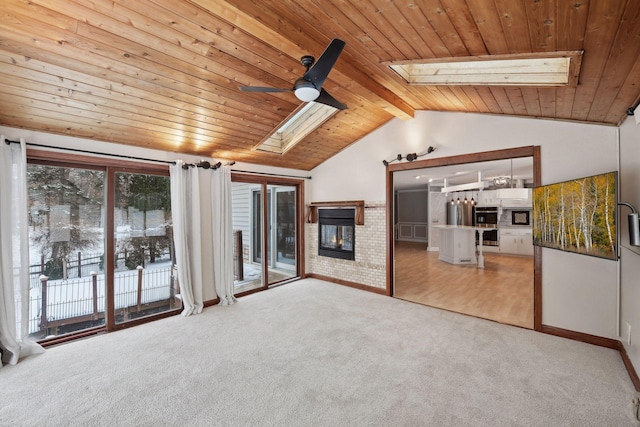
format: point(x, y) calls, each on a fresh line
point(223, 235)
point(14, 255)
point(201, 211)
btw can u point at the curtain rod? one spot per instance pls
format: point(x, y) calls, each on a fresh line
point(202, 164)
point(122, 156)
point(270, 174)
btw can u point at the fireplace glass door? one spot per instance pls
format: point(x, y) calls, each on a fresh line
point(336, 237)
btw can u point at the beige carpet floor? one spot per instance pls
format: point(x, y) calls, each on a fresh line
point(312, 353)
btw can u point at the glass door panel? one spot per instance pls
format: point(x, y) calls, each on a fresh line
point(281, 217)
point(144, 278)
point(248, 243)
point(66, 249)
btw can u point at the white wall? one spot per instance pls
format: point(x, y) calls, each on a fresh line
point(579, 292)
point(630, 255)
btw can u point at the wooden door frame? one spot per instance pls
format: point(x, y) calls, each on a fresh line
point(264, 182)
point(505, 154)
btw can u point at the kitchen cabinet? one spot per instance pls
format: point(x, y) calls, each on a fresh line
point(516, 241)
point(488, 198)
point(458, 244)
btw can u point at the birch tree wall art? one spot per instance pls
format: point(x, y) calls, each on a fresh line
point(578, 216)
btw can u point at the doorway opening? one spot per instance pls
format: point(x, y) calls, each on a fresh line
point(505, 286)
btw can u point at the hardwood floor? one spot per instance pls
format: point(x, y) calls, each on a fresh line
point(502, 291)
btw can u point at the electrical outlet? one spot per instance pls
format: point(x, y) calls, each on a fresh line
point(628, 334)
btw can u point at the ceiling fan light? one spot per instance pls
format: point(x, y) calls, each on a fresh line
point(307, 93)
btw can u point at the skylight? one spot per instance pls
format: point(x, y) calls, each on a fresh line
point(294, 128)
point(545, 69)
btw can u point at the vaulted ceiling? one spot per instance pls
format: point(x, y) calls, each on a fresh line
point(165, 73)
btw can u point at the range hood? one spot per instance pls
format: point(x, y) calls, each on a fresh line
point(513, 193)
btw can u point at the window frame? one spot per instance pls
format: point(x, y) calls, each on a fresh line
point(110, 166)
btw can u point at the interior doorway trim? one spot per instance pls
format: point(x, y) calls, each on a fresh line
point(509, 153)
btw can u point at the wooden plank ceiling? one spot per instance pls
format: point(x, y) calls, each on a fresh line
point(165, 73)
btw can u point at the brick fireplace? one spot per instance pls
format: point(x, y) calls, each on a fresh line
point(368, 266)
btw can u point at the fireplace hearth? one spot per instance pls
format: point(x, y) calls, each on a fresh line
point(336, 233)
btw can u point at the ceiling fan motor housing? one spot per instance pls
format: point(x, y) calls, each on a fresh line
point(307, 61)
point(305, 90)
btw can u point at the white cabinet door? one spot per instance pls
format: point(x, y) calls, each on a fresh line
point(525, 246)
point(509, 244)
point(517, 242)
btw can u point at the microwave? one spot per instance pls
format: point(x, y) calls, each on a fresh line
point(520, 217)
point(486, 216)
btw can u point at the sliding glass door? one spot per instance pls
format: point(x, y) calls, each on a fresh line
point(281, 217)
point(248, 246)
point(144, 280)
point(266, 220)
point(101, 245)
point(66, 249)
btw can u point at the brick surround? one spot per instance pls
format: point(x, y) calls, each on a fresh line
point(369, 267)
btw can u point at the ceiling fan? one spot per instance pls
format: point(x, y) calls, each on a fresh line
point(309, 87)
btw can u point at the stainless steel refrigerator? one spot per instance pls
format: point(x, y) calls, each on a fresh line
point(459, 212)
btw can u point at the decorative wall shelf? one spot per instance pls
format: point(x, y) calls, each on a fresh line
point(312, 210)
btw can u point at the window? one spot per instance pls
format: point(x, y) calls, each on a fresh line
point(101, 246)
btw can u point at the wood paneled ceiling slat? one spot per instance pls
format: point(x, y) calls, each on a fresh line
point(532, 101)
point(625, 49)
point(101, 61)
point(542, 21)
point(438, 25)
point(515, 25)
point(571, 18)
point(501, 98)
point(547, 102)
point(144, 47)
point(83, 107)
point(465, 26)
point(166, 73)
point(489, 26)
point(103, 95)
point(629, 87)
point(384, 15)
point(603, 21)
point(517, 101)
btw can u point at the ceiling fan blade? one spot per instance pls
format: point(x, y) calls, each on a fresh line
point(262, 89)
point(325, 98)
point(319, 71)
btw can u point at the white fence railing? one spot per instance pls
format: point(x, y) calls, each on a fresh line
point(73, 298)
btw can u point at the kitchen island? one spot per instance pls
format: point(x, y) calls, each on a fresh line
point(458, 244)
